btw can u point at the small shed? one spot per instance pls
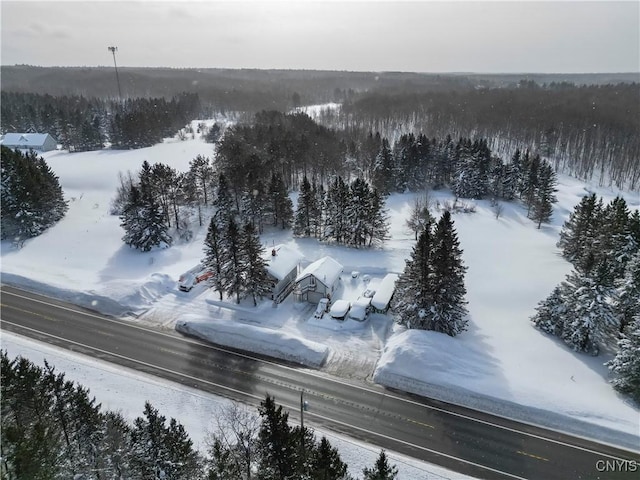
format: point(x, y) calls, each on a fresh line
point(319, 280)
point(384, 293)
point(282, 268)
point(42, 142)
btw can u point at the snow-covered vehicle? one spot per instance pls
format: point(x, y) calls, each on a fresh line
point(187, 282)
point(322, 308)
point(360, 309)
point(340, 309)
point(191, 278)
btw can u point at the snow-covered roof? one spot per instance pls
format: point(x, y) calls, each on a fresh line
point(26, 140)
point(326, 270)
point(384, 292)
point(281, 264)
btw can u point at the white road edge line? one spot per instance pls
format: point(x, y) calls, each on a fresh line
point(359, 387)
point(184, 375)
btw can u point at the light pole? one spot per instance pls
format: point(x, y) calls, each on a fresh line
point(113, 50)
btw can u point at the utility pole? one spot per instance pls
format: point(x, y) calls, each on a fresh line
point(113, 50)
point(303, 407)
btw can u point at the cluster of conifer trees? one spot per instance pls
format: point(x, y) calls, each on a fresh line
point(234, 254)
point(293, 146)
point(430, 291)
point(53, 429)
point(350, 214)
point(469, 168)
point(82, 124)
point(597, 304)
point(31, 197)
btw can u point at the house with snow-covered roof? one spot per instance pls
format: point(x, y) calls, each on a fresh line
point(319, 280)
point(282, 268)
point(42, 142)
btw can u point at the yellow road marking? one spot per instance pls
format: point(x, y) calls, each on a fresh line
point(420, 423)
point(533, 456)
point(3, 305)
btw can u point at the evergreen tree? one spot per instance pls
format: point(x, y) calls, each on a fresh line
point(317, 210)
point(31, 441)
point(626, 299)
point(159, 451)
point(357, 212)
point(335, 208)
point(280, 205)
point(223, 204)
point(579, 231)
point(257, 283)
point(634, 226)
point(551, 313)
point(413, 296)
point(383, 179)
point(626, 364)
point(31, 199)
point(142, 219)
point(276, 444)
point(544, 196)
point(253, 204)
point(377, 221)
point(382, 470)
point(590, 320)
point(447, 313)
point(132, 218)
point(201, 171)
point(154, 229)
point(221, 464)
point(233, 278)
point(614, 241)
point(304, 213)
point(325, 463)
point(214, 256)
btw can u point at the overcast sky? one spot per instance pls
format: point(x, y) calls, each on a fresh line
point(418, 36)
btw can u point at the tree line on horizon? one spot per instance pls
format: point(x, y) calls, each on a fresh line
point(587, 131)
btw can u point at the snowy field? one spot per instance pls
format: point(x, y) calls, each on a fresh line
point(501, 364)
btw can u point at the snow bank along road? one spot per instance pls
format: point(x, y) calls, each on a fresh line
point(464, 440)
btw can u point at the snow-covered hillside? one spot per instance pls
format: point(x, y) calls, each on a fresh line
point(501, 363)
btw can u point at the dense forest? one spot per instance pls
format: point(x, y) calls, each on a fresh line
point(584, 125)
point(586, 131)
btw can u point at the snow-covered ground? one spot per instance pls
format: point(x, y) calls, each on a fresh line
point(501, 364)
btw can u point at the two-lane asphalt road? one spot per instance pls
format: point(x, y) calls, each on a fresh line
point(463, 440)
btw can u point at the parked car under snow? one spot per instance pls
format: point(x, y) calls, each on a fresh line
point(339, 309)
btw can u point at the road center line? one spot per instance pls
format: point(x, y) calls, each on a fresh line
point(258, 398)
point(338, 381)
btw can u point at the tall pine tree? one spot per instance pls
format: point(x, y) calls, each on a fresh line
point(448, 312)
point(257, 283)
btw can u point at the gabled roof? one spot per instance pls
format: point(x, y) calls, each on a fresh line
point(325, 270)
point(25, 140)
point(285, 260)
